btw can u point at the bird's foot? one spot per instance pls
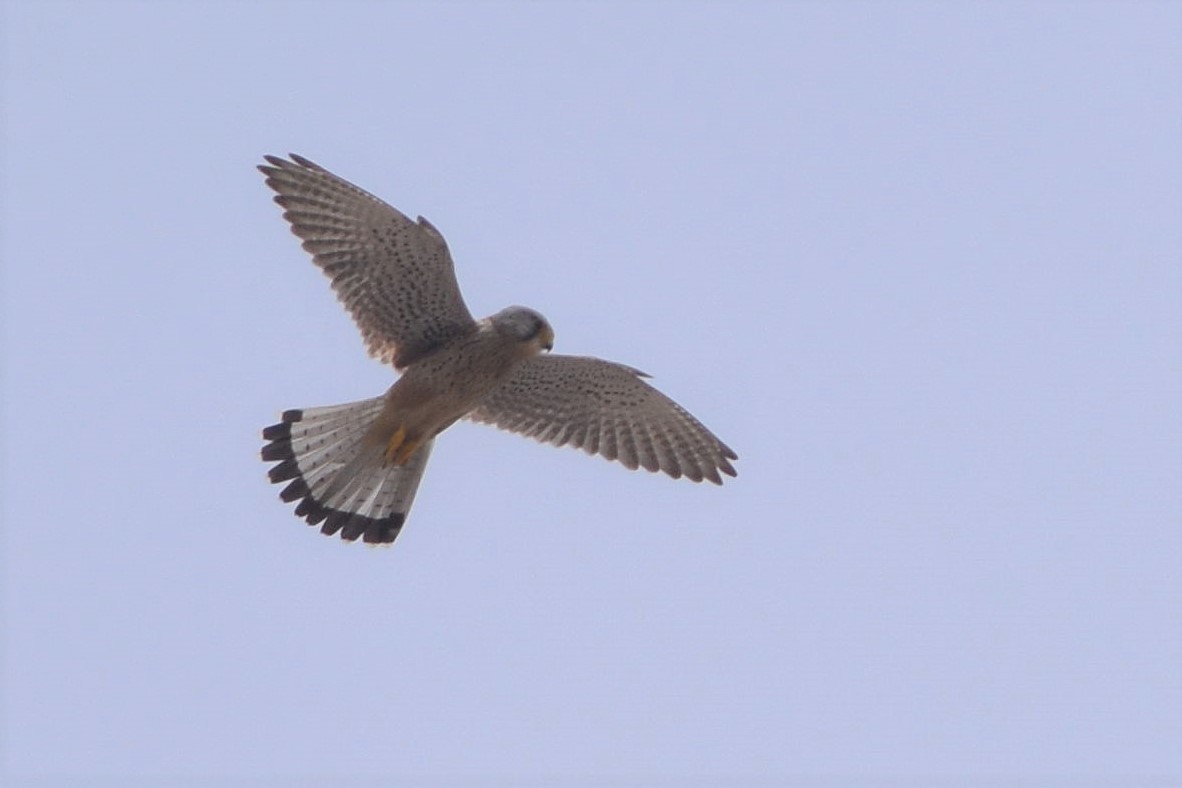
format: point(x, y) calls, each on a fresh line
point(401, 447)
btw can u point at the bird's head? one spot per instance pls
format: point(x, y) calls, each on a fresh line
point(525, 326)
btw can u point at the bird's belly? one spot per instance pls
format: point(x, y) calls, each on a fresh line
point(427, 400)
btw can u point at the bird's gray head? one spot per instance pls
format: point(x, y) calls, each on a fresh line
point(522, 324)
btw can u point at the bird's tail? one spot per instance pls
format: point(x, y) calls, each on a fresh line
point(337, 478)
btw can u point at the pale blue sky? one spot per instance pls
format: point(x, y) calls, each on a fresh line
point(920, 264)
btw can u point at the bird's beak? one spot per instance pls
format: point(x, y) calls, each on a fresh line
point(546, 339)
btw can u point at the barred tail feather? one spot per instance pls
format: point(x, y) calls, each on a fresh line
point(342, 485)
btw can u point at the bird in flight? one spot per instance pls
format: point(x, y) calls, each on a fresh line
point(354, 468)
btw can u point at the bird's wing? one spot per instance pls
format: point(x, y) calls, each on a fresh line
point(395, 276)
point(605, 408)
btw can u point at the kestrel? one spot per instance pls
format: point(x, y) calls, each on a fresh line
point(354, 468)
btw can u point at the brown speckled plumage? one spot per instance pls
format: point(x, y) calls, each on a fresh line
point(354, 469)
point(607, 409)
point(395, 276)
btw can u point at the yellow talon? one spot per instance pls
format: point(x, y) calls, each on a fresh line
point(401, 447)
point(406, 451)
point(395, 444)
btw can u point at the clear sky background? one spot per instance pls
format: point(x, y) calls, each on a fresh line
point(920, 264)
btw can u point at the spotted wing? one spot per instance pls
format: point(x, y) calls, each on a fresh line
point(395, 276)
point(607, 409)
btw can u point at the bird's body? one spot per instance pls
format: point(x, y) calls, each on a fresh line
point(445, 386)
point(356, 467)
